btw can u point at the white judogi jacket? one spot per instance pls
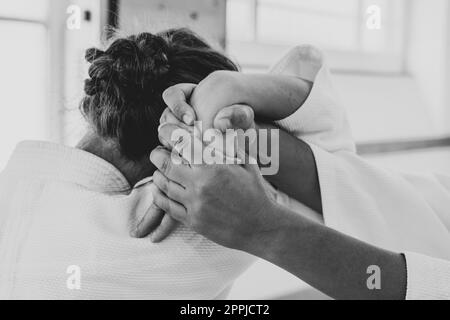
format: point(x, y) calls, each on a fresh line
point(401, 212)
point(65, 222)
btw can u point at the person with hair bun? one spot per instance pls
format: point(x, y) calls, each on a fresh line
point(68, 215)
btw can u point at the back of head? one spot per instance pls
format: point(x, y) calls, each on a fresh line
point(123, 99)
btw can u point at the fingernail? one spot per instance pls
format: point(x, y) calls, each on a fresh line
point(188, 119)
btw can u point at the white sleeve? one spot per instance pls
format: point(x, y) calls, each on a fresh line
point(390, 210)
point(428, 278)
point(403, 213)
point(322, 119)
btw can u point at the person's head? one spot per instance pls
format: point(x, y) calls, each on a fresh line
point(123, 101)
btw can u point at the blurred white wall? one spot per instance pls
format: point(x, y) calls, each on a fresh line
point(428, 59)
point(42, 69)
point(91, 33)
point(207, 17)
point(26, 86)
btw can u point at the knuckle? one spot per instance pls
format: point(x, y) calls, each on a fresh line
point(166, 165)
point(160, 181)
point(169, 92)
point(170, 188)
point(178, 108)
point(160, 202)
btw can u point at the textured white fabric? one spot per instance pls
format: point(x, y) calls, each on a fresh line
point(428, 278)
point(63, 207)
point(321, 120)
point(400, 212)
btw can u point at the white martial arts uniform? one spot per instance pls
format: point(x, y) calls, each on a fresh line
point(65, 220)
point(401, 212)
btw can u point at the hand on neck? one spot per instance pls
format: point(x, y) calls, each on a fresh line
point(108, 149)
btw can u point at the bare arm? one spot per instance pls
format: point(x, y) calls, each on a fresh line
point(332, 262)
point(221, 91)
point(228, 205)
point(297, 175)
point(272, 97)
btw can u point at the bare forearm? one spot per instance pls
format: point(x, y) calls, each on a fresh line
point(332, 262)
point(274, 97)
point(297, 175)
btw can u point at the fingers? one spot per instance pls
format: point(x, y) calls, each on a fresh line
point(169, 117)
point(176, 98)
point(235, 117)
point(182, 142)
point(171, 166)
point(149, 222)
point(172, 189)
point(155, 223)
point(174, 209)
point(170, 135)
point(167, 226)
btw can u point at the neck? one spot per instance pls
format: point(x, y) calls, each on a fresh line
point(133, 170)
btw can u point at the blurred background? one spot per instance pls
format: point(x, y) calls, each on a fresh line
point(390, 61)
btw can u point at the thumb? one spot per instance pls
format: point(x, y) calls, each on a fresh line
point(176, 99)
point(237, 116)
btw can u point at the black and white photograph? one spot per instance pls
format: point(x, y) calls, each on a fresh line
point(224, 154)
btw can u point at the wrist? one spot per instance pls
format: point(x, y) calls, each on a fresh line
point(265, 240)
point(235, 88)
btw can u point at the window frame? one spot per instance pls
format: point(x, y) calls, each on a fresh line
point(248, 52)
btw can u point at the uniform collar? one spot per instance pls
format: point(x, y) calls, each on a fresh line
point(59, 162)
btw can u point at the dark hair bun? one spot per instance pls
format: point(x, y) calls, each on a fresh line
point(136, 61)
point(155, 51)
point(126, 81)
point(92, 54)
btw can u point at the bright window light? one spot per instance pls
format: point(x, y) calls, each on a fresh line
point(338, 27)
point(23, 80)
